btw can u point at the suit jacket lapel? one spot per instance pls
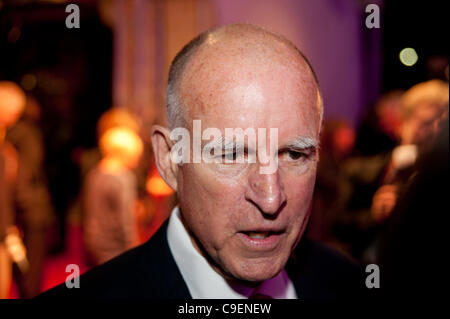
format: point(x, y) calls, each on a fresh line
point(162, 272)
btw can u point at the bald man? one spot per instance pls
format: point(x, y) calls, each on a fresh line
point(245, 196)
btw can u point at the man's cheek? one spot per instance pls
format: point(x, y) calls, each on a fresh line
point(215, 241)
point(300, 197)
point(212, 190)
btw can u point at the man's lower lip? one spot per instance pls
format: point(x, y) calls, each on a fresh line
point(267, 243)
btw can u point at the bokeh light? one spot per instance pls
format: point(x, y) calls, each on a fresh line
point(156, 186)
point(122, 144)
point(408, 56)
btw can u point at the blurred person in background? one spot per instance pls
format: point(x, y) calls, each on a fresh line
point(348, 222)
point(423, 107)
point(32, 202)
point(12, 104)
point(117, 116)
point(411, 244)
point(110, 196)
point(379, 130)
point(371, 183)
point(8, 166)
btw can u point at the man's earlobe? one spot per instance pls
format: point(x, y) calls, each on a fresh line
point(161, 144)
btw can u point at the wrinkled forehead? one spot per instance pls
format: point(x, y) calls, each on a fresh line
point(250, 84)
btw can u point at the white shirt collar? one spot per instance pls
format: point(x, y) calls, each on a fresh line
point(205, 283)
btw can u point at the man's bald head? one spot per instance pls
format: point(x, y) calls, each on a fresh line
point(244, 45)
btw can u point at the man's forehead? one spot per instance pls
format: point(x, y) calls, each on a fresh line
point(264, 103)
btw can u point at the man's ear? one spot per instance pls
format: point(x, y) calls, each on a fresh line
point(161, 144)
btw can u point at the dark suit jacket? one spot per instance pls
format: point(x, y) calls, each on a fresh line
point(150, 271)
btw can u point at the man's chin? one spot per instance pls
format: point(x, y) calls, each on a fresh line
point(257, 271)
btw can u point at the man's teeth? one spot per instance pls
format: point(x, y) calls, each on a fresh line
point(258, 235)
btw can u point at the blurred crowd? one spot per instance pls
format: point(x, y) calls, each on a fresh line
point(121, 203)
point(381, 190)
point(373, 187)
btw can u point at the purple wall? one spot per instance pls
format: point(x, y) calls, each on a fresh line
point(331, 34)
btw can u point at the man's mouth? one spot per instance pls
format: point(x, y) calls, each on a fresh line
point(261, 240)
point(260, 234)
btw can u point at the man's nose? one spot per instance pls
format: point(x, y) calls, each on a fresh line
point(266, 191)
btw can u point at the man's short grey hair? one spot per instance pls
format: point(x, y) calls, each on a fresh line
point(175, 111)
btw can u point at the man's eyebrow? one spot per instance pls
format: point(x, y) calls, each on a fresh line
point(302, 142)
point(222, 143)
